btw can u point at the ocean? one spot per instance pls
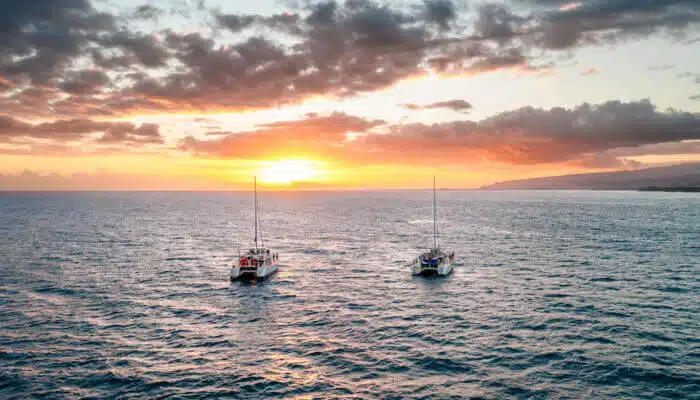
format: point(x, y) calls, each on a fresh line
point(556, 295)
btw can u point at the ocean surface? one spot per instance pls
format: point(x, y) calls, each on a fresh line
point(556, 295)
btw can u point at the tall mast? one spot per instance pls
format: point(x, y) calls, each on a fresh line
point(435, 229)
point(255, 189)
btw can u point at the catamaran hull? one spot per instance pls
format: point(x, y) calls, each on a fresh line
point(443, 269)
point(257, 273)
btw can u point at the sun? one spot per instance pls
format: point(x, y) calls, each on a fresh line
point(288, 171)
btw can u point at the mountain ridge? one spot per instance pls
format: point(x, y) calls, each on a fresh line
point(679, 175)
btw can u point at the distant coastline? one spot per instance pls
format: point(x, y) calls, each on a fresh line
point(675, 178)
point(686, 189)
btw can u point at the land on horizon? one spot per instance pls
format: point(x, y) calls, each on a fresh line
point(662, 178)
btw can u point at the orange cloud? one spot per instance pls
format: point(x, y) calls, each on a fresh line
point(313, 136)
point(590, 71)
point(570, 6)
point(526, 136)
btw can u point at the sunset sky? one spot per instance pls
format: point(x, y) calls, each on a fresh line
point(204, 94)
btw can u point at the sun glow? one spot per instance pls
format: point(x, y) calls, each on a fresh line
point(288, 171)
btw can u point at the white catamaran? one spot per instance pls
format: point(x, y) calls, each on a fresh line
point(436, 261)
point(256, 262)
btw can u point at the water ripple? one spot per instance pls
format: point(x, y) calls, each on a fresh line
point(556, 295)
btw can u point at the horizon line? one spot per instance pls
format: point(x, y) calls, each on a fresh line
point(225, 190)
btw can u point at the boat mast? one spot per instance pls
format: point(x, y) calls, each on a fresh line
point(435, 228)
point(255, 189)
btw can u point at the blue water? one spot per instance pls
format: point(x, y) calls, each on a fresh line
point(556, 295)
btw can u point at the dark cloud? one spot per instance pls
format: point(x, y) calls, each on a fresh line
point(74, 61)
point(497, 22)
point(13, 130)
point(440, 12)
point(613, 9)
point(286, 22)
point(236, 23)
point(548, 3)
point(85, 81)
point(145, 50)
point(127, 132)
point(506, 59)
point(339, 50)
point(147, 12)
point(334, 49)
point(454, 105)
point(530, 135)
point(595, 21)
point(18, 15)
point(47, 46)
point(39, 40)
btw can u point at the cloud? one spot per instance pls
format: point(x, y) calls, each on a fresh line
point(147, 12)
point(497, 22)
point(696, 77)
point(64, 59)
point(45, 46)
point(580, 136)
point(662, 67)
point(104, 180)
point(530, 135)
point(590, 71)
point(454, 105)
point(695, 97)
point(440, 12)
point(89, 81)
point(604, 160)
point(65, 136)
point(682, 147)
point(70, 150)
point(602, 21)
point(286, 22)
point(314, 135)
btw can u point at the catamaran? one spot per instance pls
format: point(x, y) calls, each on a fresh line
point(257, 262)
point(435, 261)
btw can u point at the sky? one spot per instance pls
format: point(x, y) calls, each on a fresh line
point(356, 94)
